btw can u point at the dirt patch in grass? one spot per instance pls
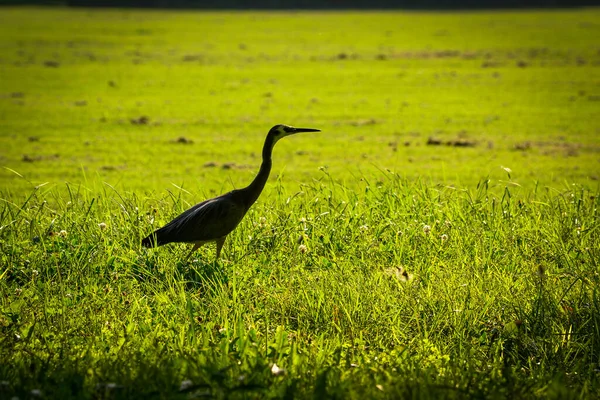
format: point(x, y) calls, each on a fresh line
point(36, 158)
point(51, 64)
point(113, 167)
point(141, 120)
point(363, 122)
point(183, 140)
point(432, 141)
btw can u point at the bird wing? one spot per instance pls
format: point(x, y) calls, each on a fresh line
point(206, 221)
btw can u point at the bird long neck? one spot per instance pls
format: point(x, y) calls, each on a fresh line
point(258, 184)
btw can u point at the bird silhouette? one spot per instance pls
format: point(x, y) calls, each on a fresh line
point(212, 220)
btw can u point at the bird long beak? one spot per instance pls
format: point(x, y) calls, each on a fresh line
point(298, 130)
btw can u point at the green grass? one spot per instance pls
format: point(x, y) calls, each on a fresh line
point(372, 82)
point(375, 265)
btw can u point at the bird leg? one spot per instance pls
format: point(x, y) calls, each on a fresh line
point(196, 247)
point(220, 242)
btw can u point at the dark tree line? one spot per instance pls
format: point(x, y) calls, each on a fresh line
point(316, 4)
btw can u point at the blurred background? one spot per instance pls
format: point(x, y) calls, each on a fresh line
point(315, 4)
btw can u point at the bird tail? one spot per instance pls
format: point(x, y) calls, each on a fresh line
point(152, 240)
point(159, 237)
point(149, 241)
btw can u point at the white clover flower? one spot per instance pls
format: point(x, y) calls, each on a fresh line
point(102, 225)
point(444, 237)
point(262, 222)
point(426, 229)
point(185, 385)
point(364, 228)
point(302, 248)
point(63, 233)
point(275, 370)
point(35, 272)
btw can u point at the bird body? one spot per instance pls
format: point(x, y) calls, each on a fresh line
point(212, 220)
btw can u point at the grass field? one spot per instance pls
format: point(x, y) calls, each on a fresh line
point(436, 239)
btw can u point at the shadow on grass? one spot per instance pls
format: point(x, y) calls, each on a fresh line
point(196, 273)
point(199, 274)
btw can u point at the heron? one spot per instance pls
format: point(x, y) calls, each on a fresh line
point(213, 219)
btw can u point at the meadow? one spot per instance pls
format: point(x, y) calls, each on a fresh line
point(436, 239)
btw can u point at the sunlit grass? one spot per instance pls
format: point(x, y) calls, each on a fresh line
point(393, 289)
point(520, 88)
point(437, 240)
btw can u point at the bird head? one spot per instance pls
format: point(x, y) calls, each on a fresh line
point(280, 131)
